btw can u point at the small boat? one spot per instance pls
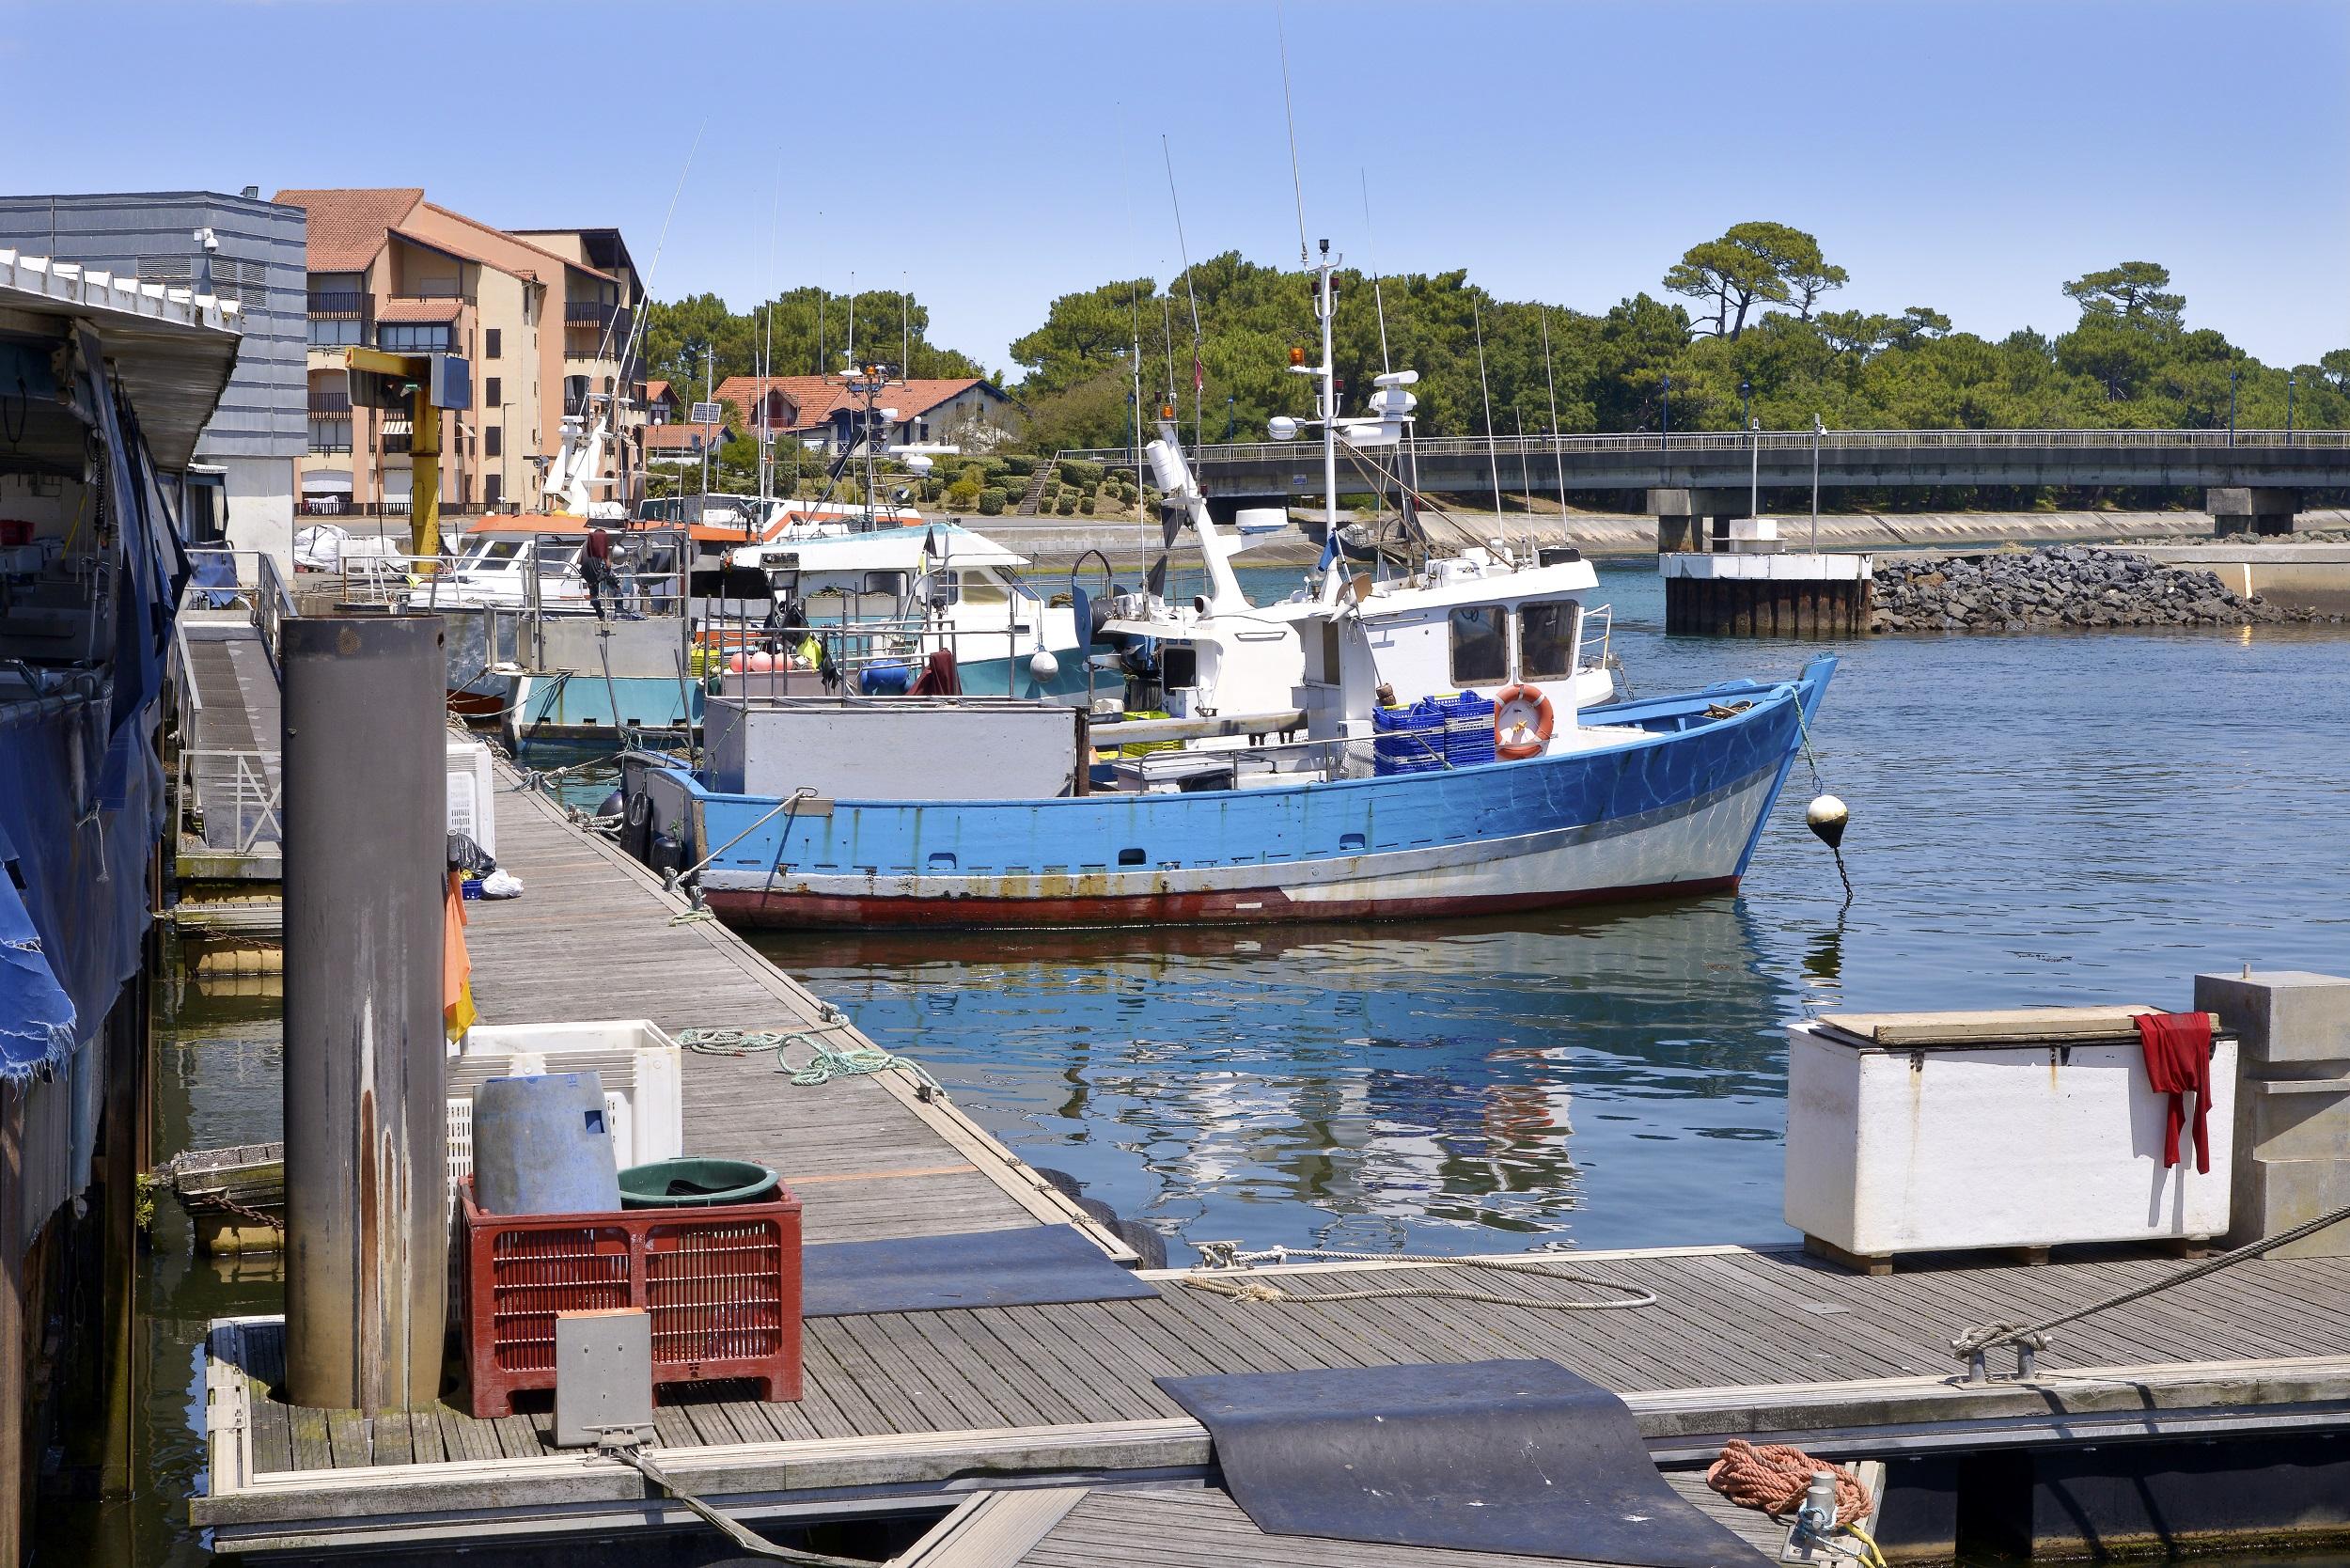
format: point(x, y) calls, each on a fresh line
point(1433, 753)
point(883, 602)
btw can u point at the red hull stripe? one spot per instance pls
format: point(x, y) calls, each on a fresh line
point(1263, 907)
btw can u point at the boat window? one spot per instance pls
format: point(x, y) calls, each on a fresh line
point(1481, 656)
point(981, 588)
point(553, 559)
point(1546, 640)
point(494, 555)
point(1179, 666)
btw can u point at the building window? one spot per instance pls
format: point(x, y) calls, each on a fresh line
point(493, 343)
point(493, 386)
point(494, 441)
point(330, 435)
point(493, 485)
point(413, 337)
point(335, 332)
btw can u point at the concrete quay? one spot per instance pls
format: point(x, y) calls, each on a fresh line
point(1054, 545)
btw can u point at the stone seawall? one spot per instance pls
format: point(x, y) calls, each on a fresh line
point(2073, 584)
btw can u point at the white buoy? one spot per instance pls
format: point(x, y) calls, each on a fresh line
point(1827, 818)
point(1043, 664)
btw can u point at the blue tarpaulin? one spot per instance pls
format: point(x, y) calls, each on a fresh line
point(35, 1014)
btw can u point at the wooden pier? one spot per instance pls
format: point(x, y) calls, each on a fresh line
point(1037, 1435)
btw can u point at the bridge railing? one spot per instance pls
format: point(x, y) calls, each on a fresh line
point(1635, 443)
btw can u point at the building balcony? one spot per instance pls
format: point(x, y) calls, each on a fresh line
point(594, 313)
point(329, 405)
point(336, 302)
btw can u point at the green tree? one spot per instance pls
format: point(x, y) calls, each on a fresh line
point(2132, 291)
point(1081, 334)
point(1754, 264)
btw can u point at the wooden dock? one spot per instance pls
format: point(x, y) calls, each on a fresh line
point(1030, 1430)
point(595, 936)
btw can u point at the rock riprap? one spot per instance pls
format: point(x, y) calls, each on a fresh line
point(2068, 585)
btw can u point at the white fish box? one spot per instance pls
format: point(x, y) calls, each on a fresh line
point(472, 793)
point(641, 1067)
point(1911, 1144)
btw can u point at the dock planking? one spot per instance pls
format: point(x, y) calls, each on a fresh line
point(595, 935)
point(1202, 1528)
point(1726, 1317)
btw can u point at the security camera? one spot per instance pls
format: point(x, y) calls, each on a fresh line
point(205, 237)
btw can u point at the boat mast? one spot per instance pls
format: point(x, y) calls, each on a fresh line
point(1325, 308)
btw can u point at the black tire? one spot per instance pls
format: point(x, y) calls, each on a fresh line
point(1060, 1181)
point(1149, 1246)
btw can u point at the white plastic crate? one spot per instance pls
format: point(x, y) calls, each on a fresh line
point(640, 1066)
point(472, 793)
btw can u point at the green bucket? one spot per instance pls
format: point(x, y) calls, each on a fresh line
point(695, 1183)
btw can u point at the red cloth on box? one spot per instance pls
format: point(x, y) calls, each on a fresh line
point(2178, 1063)
point(938, 677)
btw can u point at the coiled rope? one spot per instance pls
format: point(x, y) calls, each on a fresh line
point(825, 1061)
point(1221, 1258)
point(1774, 1477)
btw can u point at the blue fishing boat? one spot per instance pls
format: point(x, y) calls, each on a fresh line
point(1431, 740)
point(1655, 798)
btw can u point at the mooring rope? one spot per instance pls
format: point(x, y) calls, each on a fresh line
point(732, 1529)
point(825, 1062)
point(1247, 1289)
point(2034, 1336)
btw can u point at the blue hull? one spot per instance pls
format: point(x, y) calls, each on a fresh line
point(1676, 808)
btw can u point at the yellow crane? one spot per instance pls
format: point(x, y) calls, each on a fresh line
point(419, 386)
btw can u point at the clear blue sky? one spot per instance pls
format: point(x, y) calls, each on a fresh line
point(1967, 156)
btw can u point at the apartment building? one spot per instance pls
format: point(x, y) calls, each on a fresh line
point(542, 319)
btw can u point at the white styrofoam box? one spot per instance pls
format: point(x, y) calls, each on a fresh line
point(1901, 1149)
point(640, 1066)
point(472, 794)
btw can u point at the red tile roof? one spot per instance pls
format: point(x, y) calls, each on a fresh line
point(683, 438)
point(656, 390)
point(816, 399)
point(347, 227)
point(517, 239)
point(419, 310)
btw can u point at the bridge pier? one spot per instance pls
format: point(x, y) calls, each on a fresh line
point(1697, 520)
point(2251, 509)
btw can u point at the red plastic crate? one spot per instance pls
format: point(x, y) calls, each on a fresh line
point(722, 1286)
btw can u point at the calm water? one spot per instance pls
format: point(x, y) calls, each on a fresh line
point(2036, 819)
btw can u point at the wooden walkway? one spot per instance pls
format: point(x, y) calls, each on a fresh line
point(1202, 1528)
point(593, 937)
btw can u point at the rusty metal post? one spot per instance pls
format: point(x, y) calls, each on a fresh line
point(366, 857)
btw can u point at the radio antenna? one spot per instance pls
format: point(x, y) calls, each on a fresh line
point(1297, 185)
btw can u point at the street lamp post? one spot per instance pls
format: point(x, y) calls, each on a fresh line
point(1665, 428)
point(1231, 415)
point(1754, 471)
point(2231, 376)
point(2289, 381)
point(1746, 402)
point(1818, 430)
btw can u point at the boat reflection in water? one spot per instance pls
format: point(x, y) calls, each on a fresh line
point(1465, 1086)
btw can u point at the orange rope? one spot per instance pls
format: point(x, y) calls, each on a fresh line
point(1774, 1477)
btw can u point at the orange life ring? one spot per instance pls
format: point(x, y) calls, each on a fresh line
point(1519, 748)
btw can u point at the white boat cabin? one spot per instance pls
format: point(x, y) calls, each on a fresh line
point(1472, 622)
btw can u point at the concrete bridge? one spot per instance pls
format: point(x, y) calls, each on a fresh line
point(2253, 477)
